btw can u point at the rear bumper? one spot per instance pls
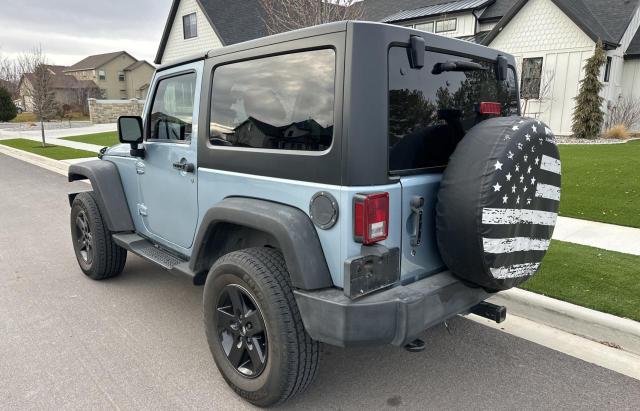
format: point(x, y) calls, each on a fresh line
point(394, 316)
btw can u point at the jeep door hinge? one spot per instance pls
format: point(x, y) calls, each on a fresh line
point(142, 209)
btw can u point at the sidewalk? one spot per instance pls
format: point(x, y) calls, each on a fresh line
point(55, 136)
point(600, 235)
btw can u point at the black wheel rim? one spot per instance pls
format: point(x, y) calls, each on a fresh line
point(84, 238)
point(241, 331)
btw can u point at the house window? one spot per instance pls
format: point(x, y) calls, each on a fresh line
point(531, 77)
point(446, 25)
point(607, 69)
point(103, 93)
point(123, 94)
point(121, 76)
point(426, 27)
point(102, 75)
point(190, 26)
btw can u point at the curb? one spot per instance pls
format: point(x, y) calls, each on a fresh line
point(593, 325)
point(41, 161)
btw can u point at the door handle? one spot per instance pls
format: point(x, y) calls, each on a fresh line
point(186, 167)
point(416, 211)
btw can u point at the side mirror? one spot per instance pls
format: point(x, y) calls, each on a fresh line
point(416, 60)
point(130, 131)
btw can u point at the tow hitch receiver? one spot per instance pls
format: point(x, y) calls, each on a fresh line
point(497, 313)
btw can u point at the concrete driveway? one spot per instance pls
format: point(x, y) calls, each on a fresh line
point(137, 341)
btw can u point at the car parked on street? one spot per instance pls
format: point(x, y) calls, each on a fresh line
point(352, 183)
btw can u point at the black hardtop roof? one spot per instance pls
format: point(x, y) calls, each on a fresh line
point(313, 31)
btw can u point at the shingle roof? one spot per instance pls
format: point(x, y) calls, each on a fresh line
point(633, 51)
point(63, 81)
point(605, 20)
point(136, 65)
point(437, 9)
point(242, 21)
point(95, 61)
point(497, 10)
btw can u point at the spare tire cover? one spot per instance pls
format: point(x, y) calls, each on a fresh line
point(498, 202)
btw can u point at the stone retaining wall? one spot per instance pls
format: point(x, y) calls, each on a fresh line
point(108, 111)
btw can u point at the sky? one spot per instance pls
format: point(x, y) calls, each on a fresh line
point(70, 30)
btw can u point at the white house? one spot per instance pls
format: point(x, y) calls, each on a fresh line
point(551, 39)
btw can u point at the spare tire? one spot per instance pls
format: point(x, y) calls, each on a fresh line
point(498, 202)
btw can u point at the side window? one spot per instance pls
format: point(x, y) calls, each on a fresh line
point(172, 109)
point(281, 102)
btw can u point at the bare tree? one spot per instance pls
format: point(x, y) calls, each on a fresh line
point(625, 111)
point(10, 74)
point(37, 84)
point(541, 93)
point(287, 15)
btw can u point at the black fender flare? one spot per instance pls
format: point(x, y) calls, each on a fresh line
point(107, 185)
point(289, 226)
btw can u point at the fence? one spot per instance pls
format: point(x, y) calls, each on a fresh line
point(108, 111)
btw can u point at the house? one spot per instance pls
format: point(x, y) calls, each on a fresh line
point(551, 39)
point(67, 90)
point(118, 75)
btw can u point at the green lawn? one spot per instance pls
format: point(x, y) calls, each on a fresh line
point(51, 151)
point(101, 139)
point(601, 182)
point(591, 277)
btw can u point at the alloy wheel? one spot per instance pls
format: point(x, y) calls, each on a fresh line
point(241, 331)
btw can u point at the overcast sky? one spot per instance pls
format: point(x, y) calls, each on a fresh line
point(69, 30)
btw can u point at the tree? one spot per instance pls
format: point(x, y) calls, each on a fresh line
point(10, 75)
point(588, 115)
point(287, 15)
point(8, 110)
point(544, 92)
point(37, 84)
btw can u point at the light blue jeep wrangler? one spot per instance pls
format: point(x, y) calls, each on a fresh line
point(352, 183)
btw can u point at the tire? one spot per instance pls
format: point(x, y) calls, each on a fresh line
point(98, 256)
point(498, 202)
point(290, 356)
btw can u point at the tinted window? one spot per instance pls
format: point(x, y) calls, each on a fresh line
point(172, 109)
point(282, 102)
point(431, 109)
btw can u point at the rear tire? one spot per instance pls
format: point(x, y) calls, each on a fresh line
point(290, 356)
point(98, 255)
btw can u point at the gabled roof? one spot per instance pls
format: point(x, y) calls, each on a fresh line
point(239, 21)
point(496, 10)
point(438, 9)
point(633, 51)
point(138, 64)
point(62, 81)
point(97, 60)
point(603, 20)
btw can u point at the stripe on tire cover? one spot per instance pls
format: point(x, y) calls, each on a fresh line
point(518, 216)
point(516, 270)
point(515, 244)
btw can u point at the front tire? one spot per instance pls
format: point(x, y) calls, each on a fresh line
point(98, 255)
point(254, 328)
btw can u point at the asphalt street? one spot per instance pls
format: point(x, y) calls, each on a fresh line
point(137, 341)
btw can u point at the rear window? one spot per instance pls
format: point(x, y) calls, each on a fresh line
point(431, 109)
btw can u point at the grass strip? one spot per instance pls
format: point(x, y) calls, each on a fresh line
point(603, 280)
point(51, 151)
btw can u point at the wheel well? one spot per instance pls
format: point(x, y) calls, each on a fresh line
point(229, 237)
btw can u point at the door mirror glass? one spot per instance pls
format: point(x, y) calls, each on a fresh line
point(130, 129)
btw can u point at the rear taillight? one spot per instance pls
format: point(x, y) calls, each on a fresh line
point(490, 108)
point(371, 217)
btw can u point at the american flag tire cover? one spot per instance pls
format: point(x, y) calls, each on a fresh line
point(498, 202)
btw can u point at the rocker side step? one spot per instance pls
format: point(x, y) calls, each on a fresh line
point(151, 252)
